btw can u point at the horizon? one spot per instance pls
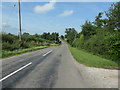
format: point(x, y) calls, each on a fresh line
point(40, 17)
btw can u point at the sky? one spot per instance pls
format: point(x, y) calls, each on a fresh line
point(39, 17)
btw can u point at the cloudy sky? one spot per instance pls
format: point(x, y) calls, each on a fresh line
point(39, 17)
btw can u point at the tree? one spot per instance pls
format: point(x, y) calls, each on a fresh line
point(26, 33)
point(98, 21)
point(71, 34)
point(54, 36)
point(46, 36)
point(113, 15)
point(62, 37)
point(88, 29)
point(51, 36)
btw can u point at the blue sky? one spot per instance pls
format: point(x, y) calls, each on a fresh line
point(39, 17)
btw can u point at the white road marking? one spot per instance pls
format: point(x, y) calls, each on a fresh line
point(47, 53)
point(15, 72)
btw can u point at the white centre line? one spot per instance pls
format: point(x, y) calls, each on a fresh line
point(15, 72)
point(47, 53)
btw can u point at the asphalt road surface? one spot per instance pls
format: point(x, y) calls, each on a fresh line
point(51, 67)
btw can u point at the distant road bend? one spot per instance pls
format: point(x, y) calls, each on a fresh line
point(51, 67)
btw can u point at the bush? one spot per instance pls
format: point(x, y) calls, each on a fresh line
point(113, 43)
point(24, 44)
point(104, 43)
point(9, 38)
point(11, 42)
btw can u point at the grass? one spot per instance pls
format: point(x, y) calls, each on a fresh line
point(91, 60)
point(20, 51)
point(6, 53)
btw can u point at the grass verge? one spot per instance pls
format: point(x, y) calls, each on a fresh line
point(92, 60)
point(20, 51)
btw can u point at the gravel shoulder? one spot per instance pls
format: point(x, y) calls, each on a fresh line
point(98, 77)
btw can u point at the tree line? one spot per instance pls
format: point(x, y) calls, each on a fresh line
point(100, 37)
point(11, 42)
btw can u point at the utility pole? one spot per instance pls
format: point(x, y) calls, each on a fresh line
point(19, 21)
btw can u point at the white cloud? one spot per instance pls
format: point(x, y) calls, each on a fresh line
point(45, 8)
point(67, 13)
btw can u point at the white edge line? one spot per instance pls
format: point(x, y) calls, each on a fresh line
point(47, 53)
point(15, 72)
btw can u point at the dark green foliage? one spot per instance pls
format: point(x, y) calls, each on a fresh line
point(113, 15)
point(51, 36)
point(62, 37)
point(71, 34)
point(26, 33)
point(11, 42)
point(88, 29)
point(102, 37)
point(98, 21)
point(113, 43)
point(9, 38)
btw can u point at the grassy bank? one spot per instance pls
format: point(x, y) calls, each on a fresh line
point(91, 60)
point(20, 51)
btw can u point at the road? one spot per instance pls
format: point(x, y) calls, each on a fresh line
point(51, 67)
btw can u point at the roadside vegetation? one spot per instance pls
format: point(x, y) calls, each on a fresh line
point(12, 46)
point(100, 37)
point(6, 53)
point(91, 60)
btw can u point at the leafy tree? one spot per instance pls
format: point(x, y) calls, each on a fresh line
point(62, 37)
point(113, 15)
point(26, 33)
point(51, 36)
point(71, 34)
point(98, 21)
point(102, 37)
point(88, 29)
